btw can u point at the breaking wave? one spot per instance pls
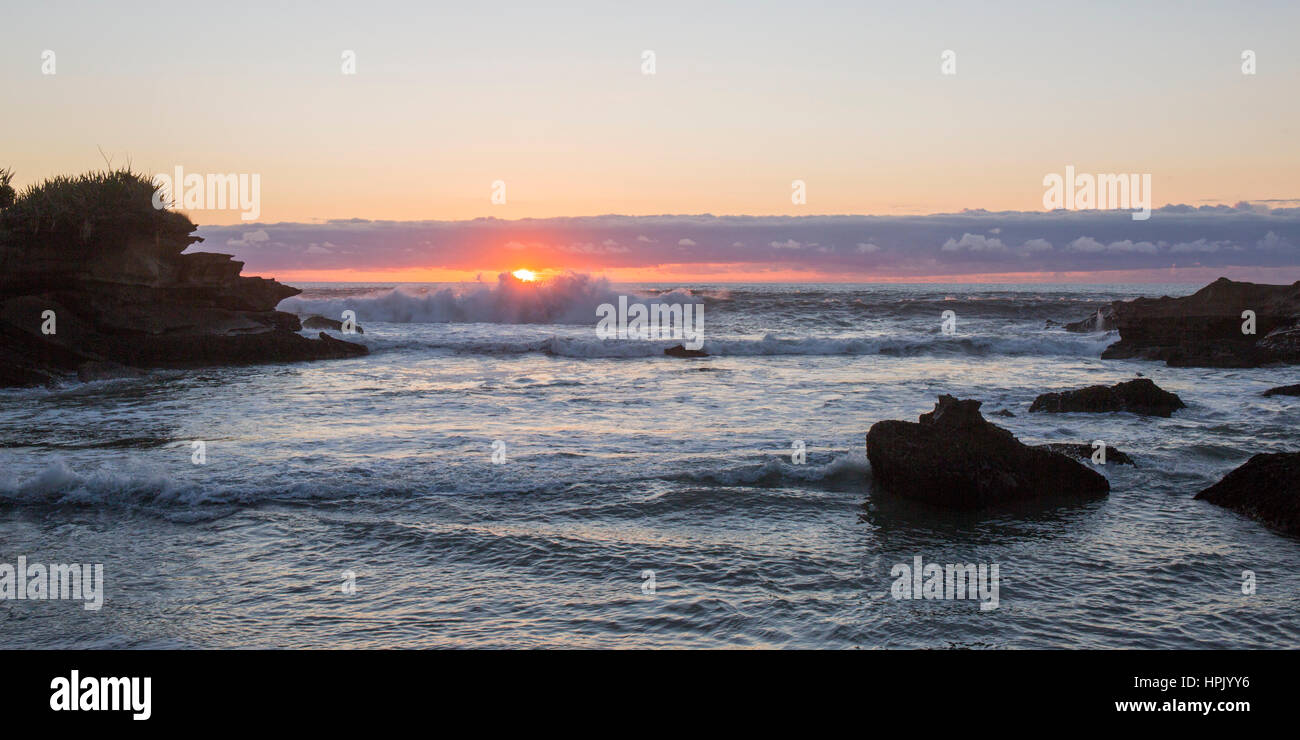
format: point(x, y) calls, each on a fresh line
point(570, 298)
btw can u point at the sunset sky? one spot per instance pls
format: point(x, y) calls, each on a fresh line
point(745, 98)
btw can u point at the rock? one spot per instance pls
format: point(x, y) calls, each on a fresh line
point(1284, 390)
point(88, 371)
point(1205, 328)
point(1140, 396)
point(681, 351)
point(122, 292)
point(955, 459)
point(320, 322)
point(1283, 342)
point(1265, 488)
point(1003, 412)
point(1084, 452)
point(1103, 320)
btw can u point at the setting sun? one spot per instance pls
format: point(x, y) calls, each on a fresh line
point(526, 276)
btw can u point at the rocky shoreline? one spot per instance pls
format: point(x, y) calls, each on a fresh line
point(1225, 324)
point(952, 458)
point(106, 289)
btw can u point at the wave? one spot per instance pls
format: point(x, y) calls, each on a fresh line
point(843, 470)
point(1046, 344)
point(570, 298)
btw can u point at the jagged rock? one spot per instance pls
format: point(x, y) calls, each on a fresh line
point(678, 350)
point(952, 457)
point(1003, 412)
point(1265, 488)
point(122, 292)
point(1140, 396)
point(1284, 390)
point(1205, 328)
point(1084, 452)
point(321, 322)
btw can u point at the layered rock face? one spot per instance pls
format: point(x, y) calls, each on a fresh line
point(952, 457)
point(1265, 488)
point(1205, 329)
point(127, 295)
point(1139, 396)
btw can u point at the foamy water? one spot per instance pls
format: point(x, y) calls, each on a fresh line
point(620, 460)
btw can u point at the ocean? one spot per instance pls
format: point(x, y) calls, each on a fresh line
point(494, 474)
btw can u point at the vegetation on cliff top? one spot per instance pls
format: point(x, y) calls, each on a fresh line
point(105, 207)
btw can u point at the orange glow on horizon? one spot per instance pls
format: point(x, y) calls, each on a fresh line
point(744, 273)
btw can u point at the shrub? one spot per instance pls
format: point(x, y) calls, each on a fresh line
point(104, 207)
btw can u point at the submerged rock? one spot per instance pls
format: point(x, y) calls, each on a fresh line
point(89, 371)
point(1284, 390)
point(1265, 488)
point(952, 457)
point(679, 350)
point(1084, 452)
point(321, 322)
point(1103, 320)
point(1140, 396)
point(1205, 329)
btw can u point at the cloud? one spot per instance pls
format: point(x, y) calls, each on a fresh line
point(974, 243)
point(249, 238)
point(971, 242)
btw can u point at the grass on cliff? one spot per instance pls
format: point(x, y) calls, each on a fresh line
point(97, 208)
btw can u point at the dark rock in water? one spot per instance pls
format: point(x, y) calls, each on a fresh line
point(1139, 396)
point(1284, 390)
point(1205, 328)
point(118, 289)
point(1103, 320)
point(1265, 488)
point(1002, 412)
point(678, 350)
point(320, 322)
point(1084, 452)
point(954, 458)
point(88, 371)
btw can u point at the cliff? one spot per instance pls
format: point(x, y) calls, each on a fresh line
point(93, 251)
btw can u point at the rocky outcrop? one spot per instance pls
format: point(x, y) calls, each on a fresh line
point(321, 322)
point(1205, 329)
point(1084, 452)
point(1140, 396)
point(117, 292)
point(1265, 488)
point(952, 457)
point(1283, 390)
point(678, 350)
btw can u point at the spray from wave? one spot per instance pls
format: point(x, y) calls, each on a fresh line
point(568, 298)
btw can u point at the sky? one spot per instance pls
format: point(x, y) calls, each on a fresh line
point(550, 106)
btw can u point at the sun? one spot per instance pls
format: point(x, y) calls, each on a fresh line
point(526, 276)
